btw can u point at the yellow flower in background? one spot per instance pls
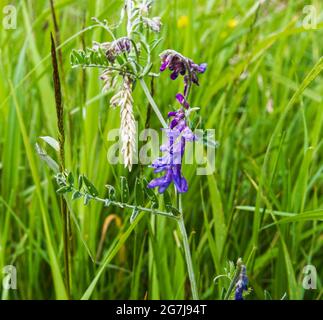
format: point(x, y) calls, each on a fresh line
point(182, 22)
point(232, 23)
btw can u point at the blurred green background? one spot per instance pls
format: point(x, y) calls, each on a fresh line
point(263, 95)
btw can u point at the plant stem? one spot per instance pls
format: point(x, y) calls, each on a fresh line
point(140, 208)
point(123, 205)
point(153, 103)
point(187, 252)
point(66, 232)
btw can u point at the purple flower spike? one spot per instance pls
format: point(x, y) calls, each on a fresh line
point(171, 162)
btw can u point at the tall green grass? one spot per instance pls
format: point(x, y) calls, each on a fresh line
point(262, 93)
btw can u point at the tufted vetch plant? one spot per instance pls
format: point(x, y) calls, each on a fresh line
point(123, 62)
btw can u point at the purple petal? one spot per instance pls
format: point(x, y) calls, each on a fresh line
point(186, 104)
point(158, 182)
point(172, 134)
point(181, 125)
point(160, 168)
point(180, 98)
point(171, 114)
point(195, 78)
point(160, 163)
point(179, 180)
point(202, 68)
point(177, 153)
point(162, 183)
point(163, 188)
point(169, 132)
point(173, 123)
point(174, 75)
point(164, 147)
point(188, 135)
point(163, 66)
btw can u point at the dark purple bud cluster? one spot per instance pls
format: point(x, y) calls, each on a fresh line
point(180, 65)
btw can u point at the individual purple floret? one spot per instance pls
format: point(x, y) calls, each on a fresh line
point(180, 65)
point(242, 284)
point(181, 99)
point(171, 163)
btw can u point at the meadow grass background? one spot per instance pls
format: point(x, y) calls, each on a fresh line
point(263, 203)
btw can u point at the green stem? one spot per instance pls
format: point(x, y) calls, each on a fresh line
point(188, 258)
point(123, 205)
point(153, 103)
point(140, 208)
point(67, 253)
point(233, 282)
point(104, 26)
point(187, 252)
